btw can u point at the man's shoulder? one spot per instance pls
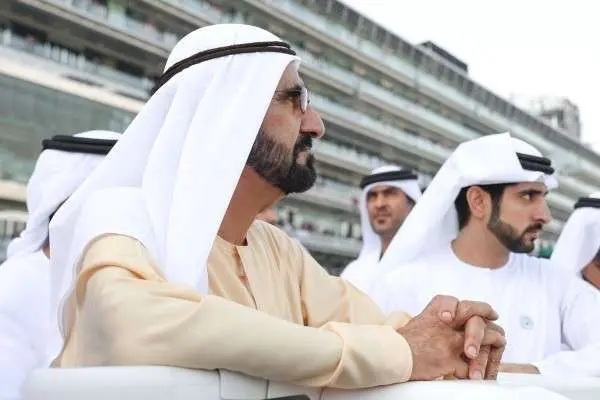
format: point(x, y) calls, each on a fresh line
point(432, 256)
point(408, 271)
point(528, 261)
point(542, 270)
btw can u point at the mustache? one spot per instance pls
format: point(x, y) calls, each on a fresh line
point(533, 228)
point(304, 142)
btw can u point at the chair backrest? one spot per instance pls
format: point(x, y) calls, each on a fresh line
point(158, 383)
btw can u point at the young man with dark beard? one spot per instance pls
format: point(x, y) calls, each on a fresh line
point(172, 267)
point(469, 235)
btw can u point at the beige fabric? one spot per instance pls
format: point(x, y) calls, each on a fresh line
point(273, 313)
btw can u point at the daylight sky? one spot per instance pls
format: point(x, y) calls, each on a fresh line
point(526, 48)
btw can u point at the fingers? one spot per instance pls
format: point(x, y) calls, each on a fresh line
point(494, 335)
point(494, 362)
point(478, 365)
point(444, 307)
point(475, 330)
point(467, 309)
point(461, 369)
point(489, 341)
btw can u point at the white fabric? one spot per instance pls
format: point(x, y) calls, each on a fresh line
point(55, 177)
point(579, 240)
point(169, 180)
point(360, 272)
point(24, 318)
point(159, 383)
point(541, 306)
point(433, 222)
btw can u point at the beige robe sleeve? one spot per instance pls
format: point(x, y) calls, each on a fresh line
point(127, 314)
point(328, 298)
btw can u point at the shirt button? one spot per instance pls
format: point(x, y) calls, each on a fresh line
point(526, 322)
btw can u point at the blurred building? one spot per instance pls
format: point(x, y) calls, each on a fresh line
point(73, 65)
point(560, 112)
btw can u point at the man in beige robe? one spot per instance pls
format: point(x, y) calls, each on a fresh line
point(172, 268)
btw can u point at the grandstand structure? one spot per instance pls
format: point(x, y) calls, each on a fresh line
point(73, 65)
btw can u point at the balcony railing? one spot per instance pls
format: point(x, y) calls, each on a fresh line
point(329, 244)
point(353, 160)
point(47, 52)
point(405, 141)
point(199, 9)
point(328, 195)
point(119, 21)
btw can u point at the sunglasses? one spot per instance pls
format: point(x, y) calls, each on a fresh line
point(300, 93)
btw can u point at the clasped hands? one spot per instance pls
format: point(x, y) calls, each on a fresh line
point(453, 338)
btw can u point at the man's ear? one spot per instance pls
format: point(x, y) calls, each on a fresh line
point(479, 202)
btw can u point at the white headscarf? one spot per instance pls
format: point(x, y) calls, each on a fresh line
point(56, 175)
point(360, 270)
point(433, 222)
point(579, 240)
point(169, 180)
